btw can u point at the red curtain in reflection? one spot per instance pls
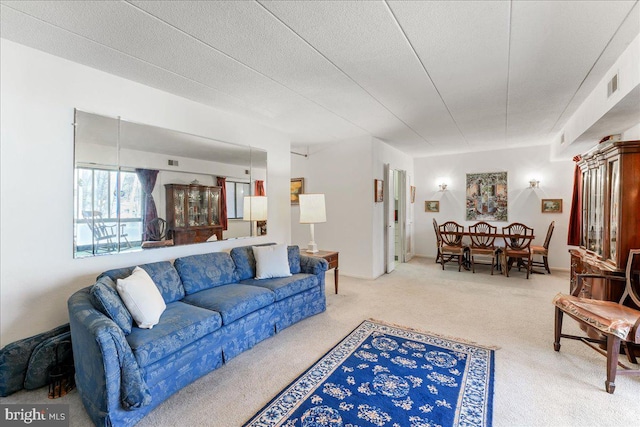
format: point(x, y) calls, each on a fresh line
point(222, 183)
point(259, 191)
point(575, 215)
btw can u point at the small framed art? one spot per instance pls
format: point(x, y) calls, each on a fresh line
point(432, 206)
point(378, 194)
point(413, 194)
point(551, 205)
point(297, 188)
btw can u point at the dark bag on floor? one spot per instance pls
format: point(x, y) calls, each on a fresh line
point(26, 363)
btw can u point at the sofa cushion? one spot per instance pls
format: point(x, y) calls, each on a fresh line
point(106, 299)
point(180, 325)
point(200, 272)
point(163, 274)
point(232, 301)
point(271, 261)
point(284, 287)
point(246, 262)
point(293, 252)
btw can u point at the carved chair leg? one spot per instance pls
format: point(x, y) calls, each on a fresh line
point(628, 349)
point(546, 264)
point(557, 329)
point(528, 266)
point(493, 261)
point(613, 350)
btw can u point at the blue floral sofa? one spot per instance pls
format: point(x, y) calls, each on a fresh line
point(215, 309)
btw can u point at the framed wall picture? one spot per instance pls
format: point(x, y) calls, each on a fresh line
point(378, 190)
point(487, 196)
point(297, 188)
point(551, 205)
point(432, 206)
point(413, 194)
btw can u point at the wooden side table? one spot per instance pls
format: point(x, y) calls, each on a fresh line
point(332, 258)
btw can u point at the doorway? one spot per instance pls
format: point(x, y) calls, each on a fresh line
point(395, 217)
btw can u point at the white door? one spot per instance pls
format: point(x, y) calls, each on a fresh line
point(389, 219)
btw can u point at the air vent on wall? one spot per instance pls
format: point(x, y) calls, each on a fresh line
point(172, 162)
point(612, 87)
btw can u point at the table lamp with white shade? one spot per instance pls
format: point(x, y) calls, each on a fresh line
point(312, 211)
point(254, 209)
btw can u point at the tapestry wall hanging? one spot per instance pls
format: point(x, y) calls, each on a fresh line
point(487, 196)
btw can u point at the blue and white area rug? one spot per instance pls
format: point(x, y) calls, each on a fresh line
point(386, 375)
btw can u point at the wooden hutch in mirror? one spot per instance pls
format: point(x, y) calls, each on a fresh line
point(193, 213)
point(610, 215)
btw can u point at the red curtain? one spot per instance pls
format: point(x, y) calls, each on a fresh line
point(222, 183)
point(260, 188)
point(575, 215)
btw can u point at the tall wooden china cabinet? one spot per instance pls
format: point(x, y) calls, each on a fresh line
point(610, 215)
point(193, 213)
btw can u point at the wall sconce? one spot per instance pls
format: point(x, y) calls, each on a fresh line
point(443, 186)
point(534, 183)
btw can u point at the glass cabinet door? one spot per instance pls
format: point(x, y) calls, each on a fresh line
point(584, 236)
point(214, 197)
point(203, 211)
point(614, 207)
point(593, 198)
point(179, 196)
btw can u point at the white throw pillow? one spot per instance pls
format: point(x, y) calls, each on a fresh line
point(271, 261)
point(142, 298)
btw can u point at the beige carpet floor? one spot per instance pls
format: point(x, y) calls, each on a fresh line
point(534, 385)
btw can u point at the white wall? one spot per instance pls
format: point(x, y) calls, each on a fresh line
point(522, 164)
point(345, 171)
point(397, 160)
point(38, 95)
point(342, 171)
point(597, 104)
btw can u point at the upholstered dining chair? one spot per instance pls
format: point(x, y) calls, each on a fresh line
point(617, 324)
point(438, 240)
point(543, 250)
point(517, 246)
point(452, 247)
point(483, 237)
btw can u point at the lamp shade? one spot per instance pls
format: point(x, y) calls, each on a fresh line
point(312, 209)
point(255, 208)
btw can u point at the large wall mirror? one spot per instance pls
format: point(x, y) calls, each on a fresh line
point(139, 187)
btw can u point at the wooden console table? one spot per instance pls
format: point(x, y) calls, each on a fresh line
point(332, 258)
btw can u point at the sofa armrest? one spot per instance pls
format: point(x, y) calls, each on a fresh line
point(313, 265)
point(107, 373)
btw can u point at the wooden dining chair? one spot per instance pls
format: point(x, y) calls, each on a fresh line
point(617, 324)
point(483, 236)
point(543, 250)
point(438, 240)
point(452, 247)
point(517, 246)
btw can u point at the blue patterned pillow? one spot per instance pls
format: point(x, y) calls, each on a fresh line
point(204, 271)
point(294, 259)
point(167, 280)
point(106, 299)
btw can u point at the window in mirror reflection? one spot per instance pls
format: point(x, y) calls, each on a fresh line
point(235, 198)
point(98, 200)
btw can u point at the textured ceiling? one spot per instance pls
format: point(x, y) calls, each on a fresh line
point(427, 77)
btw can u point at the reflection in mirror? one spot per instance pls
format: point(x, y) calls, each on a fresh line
point(138, 186)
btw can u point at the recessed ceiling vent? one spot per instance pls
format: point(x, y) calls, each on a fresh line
point(612, 87)
point(172, 162)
